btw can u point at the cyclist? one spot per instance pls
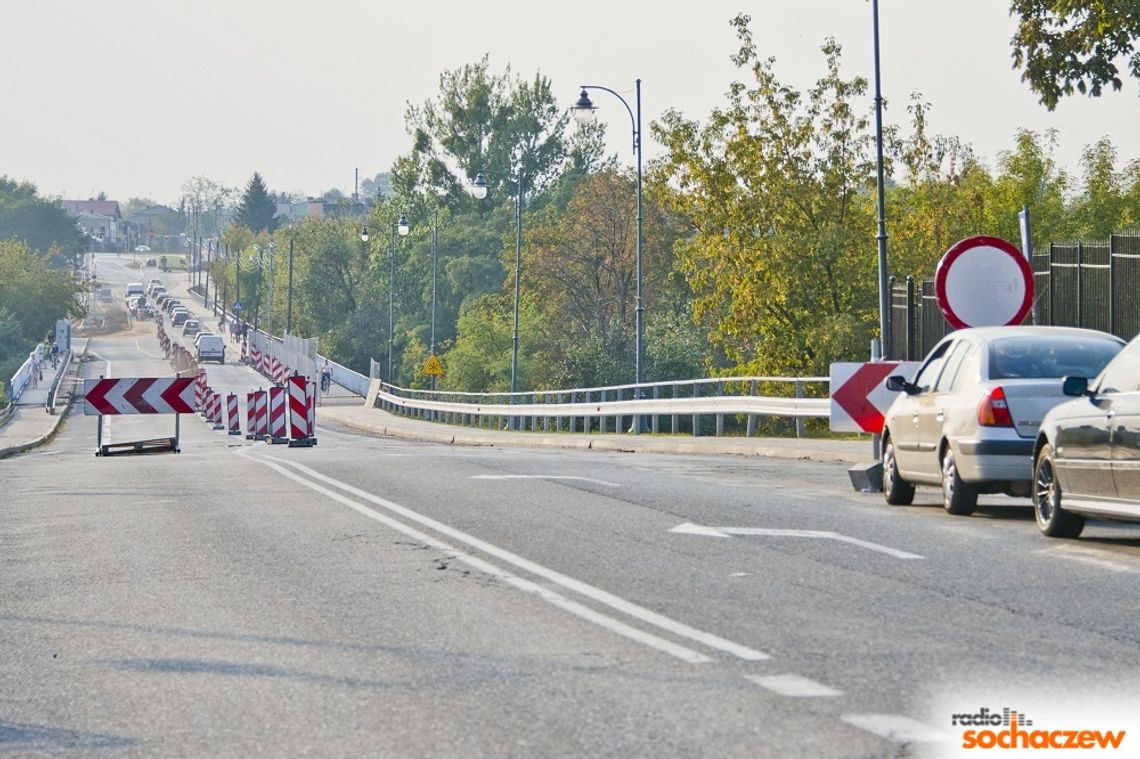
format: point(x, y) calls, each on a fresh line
point(326, 376)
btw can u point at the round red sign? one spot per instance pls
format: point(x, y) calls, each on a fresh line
point(983, 282)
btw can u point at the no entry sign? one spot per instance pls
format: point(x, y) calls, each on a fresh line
point(983, 282)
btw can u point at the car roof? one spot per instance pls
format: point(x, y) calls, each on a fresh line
point(1027, 330)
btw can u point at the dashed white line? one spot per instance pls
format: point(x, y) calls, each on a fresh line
point(896, 727)
point(794, 686)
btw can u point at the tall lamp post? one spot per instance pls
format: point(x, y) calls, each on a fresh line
point(884, 323)
point(402, 227)
point(479, 190)
point(584, 113)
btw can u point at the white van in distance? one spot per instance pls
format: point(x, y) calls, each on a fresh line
point(211, 348)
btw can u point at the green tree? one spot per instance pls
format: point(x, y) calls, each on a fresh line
point(257, 209)
point(33, 293)
point(1028, 176)
point(777, 188)
point(1101, 209)
point(1062, 45)
point(41, 224)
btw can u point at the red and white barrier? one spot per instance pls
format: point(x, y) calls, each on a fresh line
point(254, 356)
point(282, 374)
point(257, 410)
point(312, 404)
point(278, 429)
point(298, 408)
point(200, 388)
point(244, 352)
point(215, 402)
point(264, 368)
point(232, 410)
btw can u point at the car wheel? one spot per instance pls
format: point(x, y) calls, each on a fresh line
point(958, 498)
point(896, 490)
point(1053, 521)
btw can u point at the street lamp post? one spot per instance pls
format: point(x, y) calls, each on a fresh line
point(269, 306)
point(584, 113)
point(479, 189)
point(402, 227)
point(884, 324)
point(289, 298)
point(434, 269)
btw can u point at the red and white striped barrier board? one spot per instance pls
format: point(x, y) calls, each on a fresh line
point(251, 413)
point(244, 352)
point(213, 407)
point(200, 392)
point(138, 395)
point(264, 368)
point(232, 410)
point(277, 404)
point(254, 356)
point(282, 373)
point(298, 407)
point(274, 369)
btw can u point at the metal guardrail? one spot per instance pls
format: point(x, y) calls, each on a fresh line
point(663, 406)
point(49, 404)
point(23, 376)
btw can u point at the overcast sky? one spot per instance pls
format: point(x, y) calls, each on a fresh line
point(133, 97)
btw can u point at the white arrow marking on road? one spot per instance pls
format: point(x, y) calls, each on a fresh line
point(540, 477)
point(727, 532)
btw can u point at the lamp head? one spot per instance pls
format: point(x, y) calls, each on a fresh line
point(584, 110)
point(479, 186)
point(364, 233)
point(402, 226)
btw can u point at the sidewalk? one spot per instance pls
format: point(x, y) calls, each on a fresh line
point(31, 424)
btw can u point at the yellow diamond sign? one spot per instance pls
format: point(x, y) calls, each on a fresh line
point(433, 367)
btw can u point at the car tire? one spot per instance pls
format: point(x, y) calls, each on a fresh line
point(896, 490)
point(1052, 520)
point(958, 498)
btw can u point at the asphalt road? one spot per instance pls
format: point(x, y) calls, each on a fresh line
point(376, 597)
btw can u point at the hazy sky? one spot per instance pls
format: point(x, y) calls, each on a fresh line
point(133, 97)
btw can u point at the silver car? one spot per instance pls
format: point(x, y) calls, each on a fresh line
point(968, 420)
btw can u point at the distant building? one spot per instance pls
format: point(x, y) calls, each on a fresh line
point(98, 219)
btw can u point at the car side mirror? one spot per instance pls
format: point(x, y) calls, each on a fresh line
point(1075, 386)
point(899, 384)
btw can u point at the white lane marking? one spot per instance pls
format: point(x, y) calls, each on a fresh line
point(540, 477)
point(895, 727)
point(597, 594)
point(1086, 556)
point(688, 528)
point(794, 686)
point(146, 352)
point(550, 596)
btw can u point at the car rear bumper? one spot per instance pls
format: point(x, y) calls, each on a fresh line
point(995, 460)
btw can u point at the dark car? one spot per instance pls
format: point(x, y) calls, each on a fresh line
point(1087, 457)
point(150, 262)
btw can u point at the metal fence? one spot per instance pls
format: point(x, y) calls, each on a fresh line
point(1076, 284)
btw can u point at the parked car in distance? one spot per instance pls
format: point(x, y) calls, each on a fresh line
point(154, 282)
point(201, 333)
point(150, 263)
point(178, 318)
point(170, 304)
point(1086, 461)
point(968, 420)
point(156, 292)
point(142, 249)
point(105, 293)
point(191, 327)
point(211, 348)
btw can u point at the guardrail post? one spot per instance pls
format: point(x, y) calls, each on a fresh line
point(720, 417)
point(533, 417)
point(750, 430)
point(618, 427)
point(602, 419)
point(673, 418)
point(653, 419)
point(558, 419)
point(799, 419)
point(696, 417)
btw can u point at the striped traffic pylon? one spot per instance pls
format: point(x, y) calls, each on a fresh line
point(232, 409)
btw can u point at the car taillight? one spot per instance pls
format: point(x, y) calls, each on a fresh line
point(993, 411)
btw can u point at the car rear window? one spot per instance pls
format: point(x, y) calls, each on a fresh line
point(1053, 356)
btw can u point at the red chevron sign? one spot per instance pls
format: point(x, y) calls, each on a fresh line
point(139, 395)
point(858, 396)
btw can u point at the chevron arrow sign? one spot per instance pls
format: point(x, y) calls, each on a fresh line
point(139, 395)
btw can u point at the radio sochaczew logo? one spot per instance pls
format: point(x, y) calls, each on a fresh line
point(1008, 728)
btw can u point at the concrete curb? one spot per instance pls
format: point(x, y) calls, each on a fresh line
point(385, 425)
